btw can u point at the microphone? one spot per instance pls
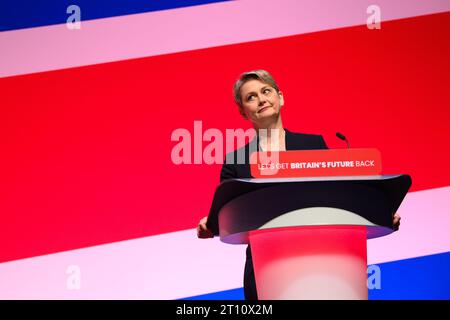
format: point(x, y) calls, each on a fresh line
point(342, 137)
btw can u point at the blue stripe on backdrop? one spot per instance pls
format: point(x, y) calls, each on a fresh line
point(423, 278)
point(19, 14)
point(234, 294)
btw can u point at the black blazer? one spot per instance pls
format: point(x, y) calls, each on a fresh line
point(294, 141)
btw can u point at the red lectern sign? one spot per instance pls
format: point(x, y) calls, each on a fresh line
point(314, 163)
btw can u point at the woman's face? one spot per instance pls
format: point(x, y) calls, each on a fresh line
point(261, 103)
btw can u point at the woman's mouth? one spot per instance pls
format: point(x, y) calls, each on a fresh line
point(262, 109)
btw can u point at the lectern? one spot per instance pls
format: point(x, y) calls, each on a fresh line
point(308, 235)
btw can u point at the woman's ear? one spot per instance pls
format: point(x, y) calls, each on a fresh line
point(241, 111)
point(280, 94)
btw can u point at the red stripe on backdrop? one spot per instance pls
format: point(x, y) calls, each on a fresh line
point(86, 151)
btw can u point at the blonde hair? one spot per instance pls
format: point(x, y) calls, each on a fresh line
point(261, 75)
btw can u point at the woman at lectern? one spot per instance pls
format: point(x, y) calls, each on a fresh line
point(260, 100)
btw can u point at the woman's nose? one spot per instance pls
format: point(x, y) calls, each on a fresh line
point(262, 99)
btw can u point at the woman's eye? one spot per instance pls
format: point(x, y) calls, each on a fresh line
point(250, 97)
point(266, 90)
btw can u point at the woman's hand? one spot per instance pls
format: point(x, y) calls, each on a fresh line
point(396, 221)
point(202, 230)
